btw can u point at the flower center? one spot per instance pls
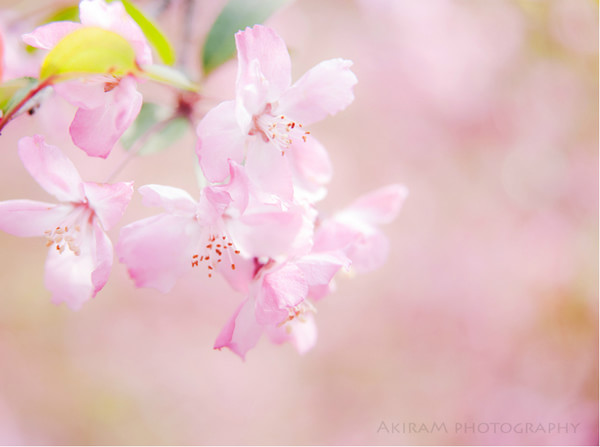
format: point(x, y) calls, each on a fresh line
point(69, 233)
point(298, 312)
point(279, 129)
point(219, 247)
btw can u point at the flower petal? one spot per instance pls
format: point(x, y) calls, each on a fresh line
point(158, 250)
point(108, 201)
point(265, 46)
point(369, 251)
point(46, 36)
point(27, 218)
point(268, 170)
point(173, 200)
point(323, 90)
point(378, 207)
point(68, 276)
point(312, 168)
point(87, 93)
point(242, 332)
point(302, 334)
point(219, 140)
point(281, 290)
point(97, 130)
point(113, 17)
point(103, 259)
point(51, 169)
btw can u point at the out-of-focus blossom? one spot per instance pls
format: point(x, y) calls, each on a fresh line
point(278, 303)
point(265, 124)
point(355, 231)
point(81, 254)
point(107, 104)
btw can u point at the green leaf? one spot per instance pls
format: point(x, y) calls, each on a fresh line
point(168, 75)
point(165, 134)
point(156, 38)
point(89, 50)
point(13, 91)
point(236, 15)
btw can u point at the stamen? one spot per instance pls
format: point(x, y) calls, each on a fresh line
point(214, 253)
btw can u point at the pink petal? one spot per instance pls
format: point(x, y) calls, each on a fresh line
point(268, 234)
point(312, 167)
point(378, 207)
point(108, 201)
point(323, 90)
point(212, 205)
point(97, 130)
point(51, 169)
point(238, 188)
point(320, 268)
point(103, 259)
point(265, 46)
point(173, 200)
point(219, 140)
point(242, 332)
point(113, 17)
point(69, 277)
point(47, 36)
point(368, 252)
point(268, 170)
point(158, 250)
point(332, 235)
point(87, 93)
point(27, 218)
point(301, 334)
point(241, 277)
point(281, 289)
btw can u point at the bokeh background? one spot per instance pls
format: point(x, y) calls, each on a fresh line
point(486, 311)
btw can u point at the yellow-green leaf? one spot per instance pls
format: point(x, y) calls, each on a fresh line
point(89, 50)
point(157, 39)
point(11, 92)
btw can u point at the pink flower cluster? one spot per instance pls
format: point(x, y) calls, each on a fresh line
point(255, 222)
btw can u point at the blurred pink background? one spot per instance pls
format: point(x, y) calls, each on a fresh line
point(485, 313)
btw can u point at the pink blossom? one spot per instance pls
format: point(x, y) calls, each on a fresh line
point(277, 303)
point(355, 229)
point(81, 254)
point(223, 231)
point(107, 105)
point(265, 124)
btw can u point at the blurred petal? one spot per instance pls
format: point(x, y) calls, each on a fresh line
point(46, 36)
point(369, 251)
point(158, 250)
point(113, 17)
point(268, 169)
point(281, 289)
point(302, 334)
point(69, 277)
point(27, 218)
point(320, 268)
point(51, 169)
point(378, 207)
point(311, 165)
point(103, 259)
point(242, 332)
point(219, 140)
point(108, 201)
point(97, 130)
point(168, 197)
point(265, 46)
point(323, 90)
point(87, 93)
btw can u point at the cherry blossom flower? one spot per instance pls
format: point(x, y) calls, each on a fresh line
point(266, 124)
point(277, 303)
point(107, 104)
point(81, 254)
point(354, 230)
point(224, 229)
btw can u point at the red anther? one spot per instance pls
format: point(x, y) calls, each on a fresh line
point(194, 263)
point(195, 256)
point(209, 246)
point(232, 266)
point(304, 138)
point(219, 252)
point(237, 252)
point(229, 243)
point(210, 267)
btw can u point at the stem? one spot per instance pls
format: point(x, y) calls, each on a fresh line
point(139, 144)
point(6, 118)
